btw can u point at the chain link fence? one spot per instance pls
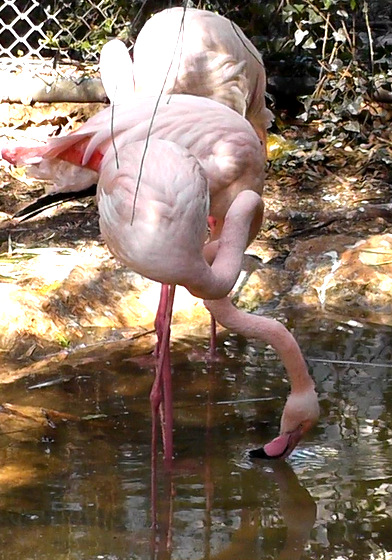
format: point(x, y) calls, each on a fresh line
point(56, 40)
point(62, 29)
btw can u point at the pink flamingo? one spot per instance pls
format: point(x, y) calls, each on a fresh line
point(173, 207)
point(154, 199)
point(227, 150)
point(195, 52)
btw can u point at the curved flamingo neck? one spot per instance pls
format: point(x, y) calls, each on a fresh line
point(269, 331)
point(226, 254)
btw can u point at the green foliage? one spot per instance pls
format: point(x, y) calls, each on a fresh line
point(343, 45)
point(334, 43)
point(87, 24)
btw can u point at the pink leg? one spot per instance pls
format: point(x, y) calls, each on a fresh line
point(213, 338)
point(213, 225)
point(162, 390)
point(162, 386)
point(160, 316)
point(155, 401)
point(167, 412)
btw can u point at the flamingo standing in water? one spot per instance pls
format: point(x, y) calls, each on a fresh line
point(227, 152)
point(225, 145)
point(154, 205)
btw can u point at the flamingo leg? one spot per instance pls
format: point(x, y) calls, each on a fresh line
point(167, 412)
point(161, 398)
point(161, 393)
point(212, 337)
point(214, 233)
point(155, 401)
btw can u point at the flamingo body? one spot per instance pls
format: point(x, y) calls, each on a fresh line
point(161, 233)
point(167, 217)
point(202, 53)
point(224, 143)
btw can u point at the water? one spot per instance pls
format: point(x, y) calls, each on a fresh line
point(82, 490)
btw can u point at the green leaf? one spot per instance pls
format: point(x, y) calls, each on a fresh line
point(313, 16)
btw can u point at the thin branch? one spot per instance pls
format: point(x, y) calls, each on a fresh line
point(369, 32)
point(112, 135)
point(347, 35)
point(324, 47)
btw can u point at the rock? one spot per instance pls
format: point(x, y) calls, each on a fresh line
point(264, 285)
point(58, 298)
point(340, 274)
point(23, 322)
point(312, 262)
point(361, 285)
point(30, 423)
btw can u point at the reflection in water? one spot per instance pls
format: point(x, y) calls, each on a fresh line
point(296, 507)
point(82, 490)
point(298, 510)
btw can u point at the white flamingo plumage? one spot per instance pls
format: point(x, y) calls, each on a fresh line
point(195, 52)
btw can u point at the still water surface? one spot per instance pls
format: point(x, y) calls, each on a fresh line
point(83, 491)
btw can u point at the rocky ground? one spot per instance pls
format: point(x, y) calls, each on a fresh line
point(326, 245)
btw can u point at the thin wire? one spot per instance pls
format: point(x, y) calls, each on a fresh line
point(137, 17)
point(153, 117)
point(112, 133)
point(349, 362)
point(244, 45)
point(134, 22)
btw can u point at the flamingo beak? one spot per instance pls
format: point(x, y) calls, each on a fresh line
point(280, 447)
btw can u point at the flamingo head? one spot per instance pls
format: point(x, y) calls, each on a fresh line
point(300, 414)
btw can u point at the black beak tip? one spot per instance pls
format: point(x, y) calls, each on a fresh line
point(258, 454)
